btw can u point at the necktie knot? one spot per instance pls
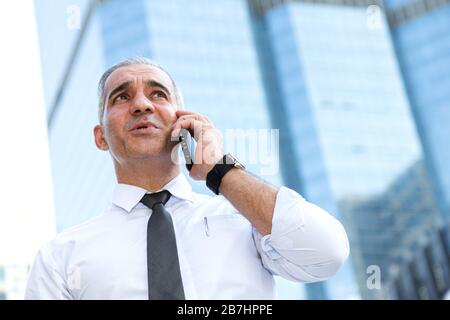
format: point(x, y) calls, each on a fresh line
point(152, 199)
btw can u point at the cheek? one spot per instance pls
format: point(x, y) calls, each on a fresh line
point(168, 115)
point(114, 126)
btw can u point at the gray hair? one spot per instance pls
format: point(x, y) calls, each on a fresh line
point(129, 62)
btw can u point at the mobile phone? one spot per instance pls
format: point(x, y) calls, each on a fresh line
point(188, 147)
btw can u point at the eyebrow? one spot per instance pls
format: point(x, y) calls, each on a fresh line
point(153, 83)
point(149, 83)
point(119, 88)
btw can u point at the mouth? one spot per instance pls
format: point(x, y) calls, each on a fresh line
point(143, 128)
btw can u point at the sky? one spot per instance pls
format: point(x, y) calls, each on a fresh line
point(27, 212)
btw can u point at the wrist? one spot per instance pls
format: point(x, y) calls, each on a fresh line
point(221, 168)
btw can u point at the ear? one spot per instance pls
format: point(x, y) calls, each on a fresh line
point(99, 137)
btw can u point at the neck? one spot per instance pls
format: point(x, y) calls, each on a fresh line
point(150, 175)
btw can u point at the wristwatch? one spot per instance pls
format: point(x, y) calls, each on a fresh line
point(214, 177)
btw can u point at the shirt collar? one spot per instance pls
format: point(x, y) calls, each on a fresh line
point(128, 196)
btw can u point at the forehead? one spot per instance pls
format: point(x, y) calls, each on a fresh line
point(137, 72)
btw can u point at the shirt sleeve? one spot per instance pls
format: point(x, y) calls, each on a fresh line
point(45, 281)
point(306, 243)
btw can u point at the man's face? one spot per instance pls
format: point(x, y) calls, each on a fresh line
point(139, 113)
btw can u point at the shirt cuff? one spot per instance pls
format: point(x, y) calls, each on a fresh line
point(285, 220)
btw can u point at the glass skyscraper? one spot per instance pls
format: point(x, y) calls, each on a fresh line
point(334, 73)
point(421, 32)
point(343, 81)
point(82, 175)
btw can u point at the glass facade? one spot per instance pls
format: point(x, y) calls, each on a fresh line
point(82, 175)
point(395, 4)
point(352, 131)
point(423, 47)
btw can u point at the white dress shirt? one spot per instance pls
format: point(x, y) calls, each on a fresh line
point(222, 256)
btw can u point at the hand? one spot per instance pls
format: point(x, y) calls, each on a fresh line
point(209, 149)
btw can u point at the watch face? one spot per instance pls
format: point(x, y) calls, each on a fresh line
point(239, 165)
point(232, 160)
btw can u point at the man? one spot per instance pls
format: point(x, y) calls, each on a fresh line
point(159, 239)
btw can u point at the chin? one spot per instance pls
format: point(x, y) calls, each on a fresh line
point(147, 151)
point(146, 148)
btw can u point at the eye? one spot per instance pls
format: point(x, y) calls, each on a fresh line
point(121, 97)
point(159, 94)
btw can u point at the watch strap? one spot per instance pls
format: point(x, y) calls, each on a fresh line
point(214, 177)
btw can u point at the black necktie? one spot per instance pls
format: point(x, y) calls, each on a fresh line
point(163, 268)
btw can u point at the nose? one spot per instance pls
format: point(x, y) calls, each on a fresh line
point(141, 105)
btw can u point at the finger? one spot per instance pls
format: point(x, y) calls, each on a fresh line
point(192, 125)
point(189, 123)
point(189, 117)
point(176, 124)
point(181, 113)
